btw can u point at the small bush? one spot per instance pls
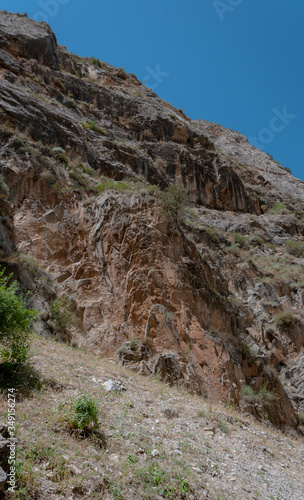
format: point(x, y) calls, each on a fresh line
point(62, 318)
point(87, 169)
point(91, 126)
point(279, 208)
point(60, 155)
point(246, 351)
point(175, 199)
point(96, 62)
point(263, 394)
point(287, 169)
point(285, 320)
point(295, 248)
point(59, 83)
point(15, 322)
point(239, 239)
point(82, 414)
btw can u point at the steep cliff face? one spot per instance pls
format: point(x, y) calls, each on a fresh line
point(85, 153)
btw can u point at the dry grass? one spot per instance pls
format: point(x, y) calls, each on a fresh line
point(196, 450)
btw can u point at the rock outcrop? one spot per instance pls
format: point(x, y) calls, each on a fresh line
point(86, 153)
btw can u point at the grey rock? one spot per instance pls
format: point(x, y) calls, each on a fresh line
point(27, 38)
point(167, 366)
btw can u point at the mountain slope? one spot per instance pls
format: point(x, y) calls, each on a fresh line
point(86, 155)
point(157, 441)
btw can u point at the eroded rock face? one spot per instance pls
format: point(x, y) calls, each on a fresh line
point(221, 274)
point(23, 37)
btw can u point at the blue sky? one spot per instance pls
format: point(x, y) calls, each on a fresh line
point(239, 63)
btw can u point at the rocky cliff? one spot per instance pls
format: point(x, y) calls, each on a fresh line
point(208, 293)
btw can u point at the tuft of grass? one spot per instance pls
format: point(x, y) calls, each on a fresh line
point(279, 208)
point(285, 320)
point(157, 481)
point(295, 247)
point(91, 126)
point(96, 62)
point(261, 395)
point(60, 155)
point(239, 239)
point(287, 169)
point(59, 83)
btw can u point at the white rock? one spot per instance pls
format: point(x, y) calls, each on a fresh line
point(109, 385)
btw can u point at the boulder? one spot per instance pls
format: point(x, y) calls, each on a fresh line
point(23, 37)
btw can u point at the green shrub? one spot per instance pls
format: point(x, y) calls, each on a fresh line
point(62, 318)
point(262, 395)
point(295, 247)
point(96, 62)
point(82, 414)
point(91, 126)
point(279, 208)
point(239, 239)
point(60, 155)
point(175, 200)
point(87, 169)
point(287, 169)
point(15, 322)
point(285, 320)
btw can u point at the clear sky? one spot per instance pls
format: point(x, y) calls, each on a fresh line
point(239, 63)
